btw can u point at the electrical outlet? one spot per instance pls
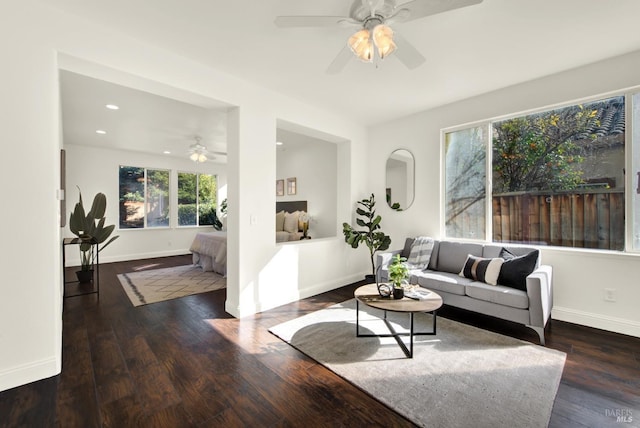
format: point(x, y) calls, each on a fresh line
point(610, 294)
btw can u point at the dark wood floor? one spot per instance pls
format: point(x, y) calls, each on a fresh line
point(186, 363)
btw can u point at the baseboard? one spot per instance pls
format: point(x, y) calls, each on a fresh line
point(603, 322)
point(314, 290)
point(27, 373)
point(72, 262)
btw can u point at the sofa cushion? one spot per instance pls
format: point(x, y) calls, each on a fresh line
point(515, 270)
point(501, 295)
point(453, 255)
point(441, 281)
point(407, 248)
point(481, 269)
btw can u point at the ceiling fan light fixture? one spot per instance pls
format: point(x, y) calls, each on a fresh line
point(198, 151)
point(383, 38)
point(362, 45)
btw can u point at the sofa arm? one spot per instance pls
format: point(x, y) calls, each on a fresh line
point(540, 292)
point(382, 262)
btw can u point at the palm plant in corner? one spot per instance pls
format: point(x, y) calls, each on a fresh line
point(371, 236)
point(91, 230)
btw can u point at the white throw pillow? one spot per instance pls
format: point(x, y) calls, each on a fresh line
point(291, 222)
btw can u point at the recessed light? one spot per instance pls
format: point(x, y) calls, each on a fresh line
point(167, 152)
point(279, 143)
point(112, 107)
point(101, 132)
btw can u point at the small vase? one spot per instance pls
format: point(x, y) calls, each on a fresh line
point(398, 292)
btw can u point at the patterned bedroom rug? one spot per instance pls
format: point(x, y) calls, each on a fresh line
point(157, 285)
point(462, 377)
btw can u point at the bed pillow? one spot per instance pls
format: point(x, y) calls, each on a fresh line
point(280, 221)
point(291, 222)
point(515, 269)
point(481, 269)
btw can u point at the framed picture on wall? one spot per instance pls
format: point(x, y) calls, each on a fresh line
point(291, 186)
point(279, 187)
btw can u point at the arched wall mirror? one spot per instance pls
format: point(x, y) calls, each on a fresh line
point(400, 179)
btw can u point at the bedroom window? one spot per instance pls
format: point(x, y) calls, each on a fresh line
point(557, 178)
point(143, 197)
point(197, 199)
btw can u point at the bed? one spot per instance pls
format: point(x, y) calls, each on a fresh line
point(209, 251)
point(288, 224)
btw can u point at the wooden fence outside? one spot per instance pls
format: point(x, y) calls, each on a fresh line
point(584, 219)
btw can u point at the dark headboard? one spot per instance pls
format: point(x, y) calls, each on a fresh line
point(291, 206)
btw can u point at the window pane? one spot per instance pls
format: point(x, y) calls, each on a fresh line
point(558, 177)
point(131, 197)
point(157, 198)
point(465, 190)
point(187, 185)
point(207, 189)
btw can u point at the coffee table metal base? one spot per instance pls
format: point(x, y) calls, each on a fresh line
point(397, 335)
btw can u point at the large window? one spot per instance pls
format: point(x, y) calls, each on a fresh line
point(197, 199)
point(465, 178)
point(557, 178)
point(144, 197)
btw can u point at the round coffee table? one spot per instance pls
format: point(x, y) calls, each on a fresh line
point(368, 294)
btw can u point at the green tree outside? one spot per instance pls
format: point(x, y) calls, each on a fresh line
point(540, 152)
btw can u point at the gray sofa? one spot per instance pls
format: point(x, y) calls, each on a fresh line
point(531, 307)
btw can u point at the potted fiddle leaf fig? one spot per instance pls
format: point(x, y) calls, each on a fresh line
point(90, 228)
point(370, 235)
point(398, 273)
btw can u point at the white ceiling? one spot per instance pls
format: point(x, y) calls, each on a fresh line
point(469, 51)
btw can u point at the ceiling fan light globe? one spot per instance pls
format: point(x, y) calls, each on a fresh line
point(202, 158)
point(383, 38)
point(358, 40)
point(362, 45)
point(194, 157)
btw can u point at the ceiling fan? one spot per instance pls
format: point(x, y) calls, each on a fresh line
point(199, 153)
point(375, 39)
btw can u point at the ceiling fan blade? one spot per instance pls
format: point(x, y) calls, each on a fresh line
point(340, 61)
point(399, 15)
point(308, 21)
point(422, 8)
point(407, 53)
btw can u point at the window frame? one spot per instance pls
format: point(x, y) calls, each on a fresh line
point(629, 150)
point(177, 206)
point(144, 204)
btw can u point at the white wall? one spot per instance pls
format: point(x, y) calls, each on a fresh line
point(32, 37)
point(314, 165)
point(580, 276)
point(94, 177)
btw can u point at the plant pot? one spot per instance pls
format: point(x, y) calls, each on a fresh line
point(398, 293)
point(370, 278)
point(84, 276)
